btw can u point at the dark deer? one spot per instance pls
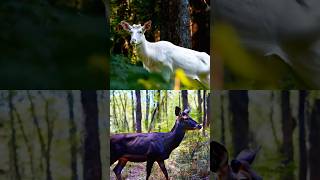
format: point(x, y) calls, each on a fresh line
point(150, 147)
point(239, 168)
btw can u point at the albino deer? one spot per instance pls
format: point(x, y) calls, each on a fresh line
point(239, 168)
point(163, 55)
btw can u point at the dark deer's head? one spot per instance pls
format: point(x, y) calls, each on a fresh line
point(240, 168)
point(185, 120)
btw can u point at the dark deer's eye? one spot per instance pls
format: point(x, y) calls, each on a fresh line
point(140, 32)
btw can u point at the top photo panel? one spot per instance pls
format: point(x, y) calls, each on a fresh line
point(266, 44)
point(160, 44)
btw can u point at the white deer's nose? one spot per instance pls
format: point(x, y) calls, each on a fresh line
point(133, 41)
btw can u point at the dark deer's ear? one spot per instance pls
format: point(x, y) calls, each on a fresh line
point(126, 26)
point(177, 111)
point(187, 110)
point(218, 156)
point(147, 25)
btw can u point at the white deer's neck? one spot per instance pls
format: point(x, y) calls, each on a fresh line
point(142, 48)
point(149, 56)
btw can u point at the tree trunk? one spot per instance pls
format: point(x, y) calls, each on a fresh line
point(123, 101)
point(223, 138)
point(238, 102)
point(314, 136)
point(138, 111)
point(133, 119)
point(27, 142)
point(166, 108)
point(72, 137)
point(184, 95)
point(199, 107)
point(169, 21)
point(50, 128)
point(159, 110)
point(38, 129)
point(273, 128)
point(147, 109)
point(200, 25)
point(204, 121)
point(114, 110)
point(287, 131)
point(92, 160)
point(302, 134)
point(13, 141)
point(49, 143)
point(184, 27)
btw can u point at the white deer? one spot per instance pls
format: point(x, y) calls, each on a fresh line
point(163, 55)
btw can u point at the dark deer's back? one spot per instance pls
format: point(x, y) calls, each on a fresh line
point(138, 147)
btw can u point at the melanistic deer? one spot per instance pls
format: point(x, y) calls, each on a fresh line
point(150, 147)
point(239, 168)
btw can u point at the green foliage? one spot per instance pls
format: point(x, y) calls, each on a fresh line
point(125, 75)
point(47, 47)
point(244, 70)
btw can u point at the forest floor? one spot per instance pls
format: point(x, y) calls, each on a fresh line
point(137, 171)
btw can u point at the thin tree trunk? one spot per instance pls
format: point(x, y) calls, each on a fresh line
point(138, 111)
point(50, 127)
point(274, 132)
point(184, 95)
point(147, 109)
point(114, 110)
point(302, 134)
point(223, 138)
point(199, 107)
point(124, 107)
point(27, 142)
point(184, 28)
point(159, 110)
point(92, 160)
point(133, 119)
point(314, 136)
point(72, 137)
point(166, 108)
point(208, 110)
point(287, 130)
point(170, 16)
point(38, 129)
point(153, 117)
point(238, 102)
point(204, 121)
point(13, 140)
point(204, 108)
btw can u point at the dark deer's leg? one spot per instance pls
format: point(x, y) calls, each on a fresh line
point(117, 170)
point(149, 167)
point(163, 168)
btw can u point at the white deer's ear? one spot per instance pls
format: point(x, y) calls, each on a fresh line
point(126, 26)
point(147, 25)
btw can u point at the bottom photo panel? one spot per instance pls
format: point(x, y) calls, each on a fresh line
point(265, 135)
point(159, 134)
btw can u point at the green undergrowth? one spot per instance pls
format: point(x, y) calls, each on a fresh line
point(43, 46)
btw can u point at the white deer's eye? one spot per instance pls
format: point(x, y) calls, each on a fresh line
point(140, 32)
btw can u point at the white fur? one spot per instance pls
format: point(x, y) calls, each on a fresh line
point(157, 56)
point(269, 26)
